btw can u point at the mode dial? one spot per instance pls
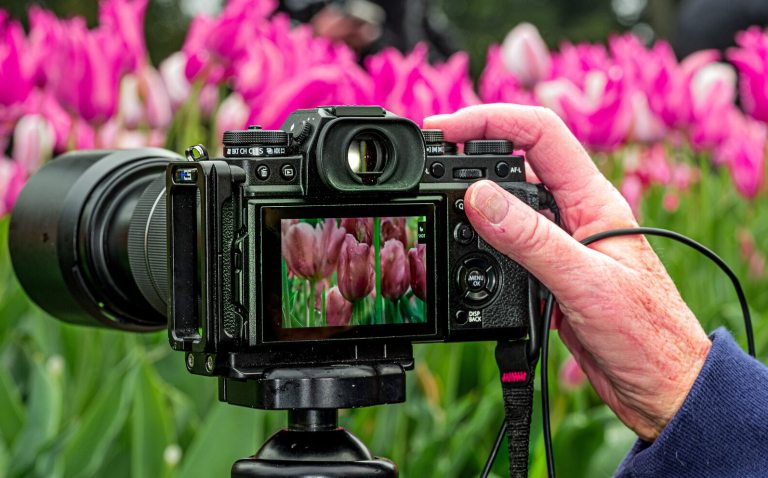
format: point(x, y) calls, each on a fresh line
point(436, 144)
point(488, 146)
point(255, 142)
point(432, 136)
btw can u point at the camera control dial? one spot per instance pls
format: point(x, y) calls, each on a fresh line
point(435, 141)
point(488, 146)
point(255, 142)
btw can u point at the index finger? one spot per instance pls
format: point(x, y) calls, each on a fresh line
point(554, 153)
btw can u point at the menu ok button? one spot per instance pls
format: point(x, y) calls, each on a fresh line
point(476, 279)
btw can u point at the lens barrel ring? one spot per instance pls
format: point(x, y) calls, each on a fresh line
point(147, 245)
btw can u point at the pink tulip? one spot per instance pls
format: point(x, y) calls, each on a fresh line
point(654, 166)
point(572, 377)
point(751, 253)
point(356, 274)
point(408, 85)
point(157, 104)
point(232, 114)
point(12, 179)
point(338, 310)
point(575, 62)
point(646, 126)
point(395, 270)
point(361, 228)
point(394, 228)
point(299, 249)
point(671, 201)
point(44, 103)
point(498, 85)
point(743, 152)
point(751, 60)
point(82, 67)
point(16, 69)
point(33, 141)
point(632, 190)
point(144, 100)
point(125, 19)
point(525, 55)
point(417, 260)
point(312, 252)
point(713, 94)
point(600, 114)
point(330, 241)
point(208, 100)
point(656, 72)
point(131, 109)
point(320, 85)
point(176, 82)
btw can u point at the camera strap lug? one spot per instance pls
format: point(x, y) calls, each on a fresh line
point(516, 371)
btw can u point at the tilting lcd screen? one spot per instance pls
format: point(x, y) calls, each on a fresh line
point(353, 271)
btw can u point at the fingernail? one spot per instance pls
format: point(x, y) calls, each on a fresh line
point(489, 202)
point(435, 118)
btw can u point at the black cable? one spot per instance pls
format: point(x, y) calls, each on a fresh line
point(653, 231)
point(494, 450)
point(548, 309)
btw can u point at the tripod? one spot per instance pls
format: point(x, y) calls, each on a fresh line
point(313, 444)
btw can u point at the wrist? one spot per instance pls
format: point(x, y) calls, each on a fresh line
point(681, 384)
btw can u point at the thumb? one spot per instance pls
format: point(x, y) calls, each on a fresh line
point(530, 239)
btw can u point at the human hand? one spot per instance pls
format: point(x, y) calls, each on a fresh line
point(624, 320)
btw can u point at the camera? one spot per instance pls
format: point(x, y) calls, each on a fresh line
point(339, 239)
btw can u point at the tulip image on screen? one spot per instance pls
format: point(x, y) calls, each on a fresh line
point(351, 271)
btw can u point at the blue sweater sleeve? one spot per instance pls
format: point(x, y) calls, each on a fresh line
point(721, 430)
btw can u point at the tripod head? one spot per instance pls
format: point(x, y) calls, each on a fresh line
point(313, 444)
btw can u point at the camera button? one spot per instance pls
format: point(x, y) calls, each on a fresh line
point(288, 172)
point(458, 205)
point(262, 172)
point(468, 173)
point(461, 317)
point(502, 169)
point(476, 280)
point(464, 234)
point(477, 296)
point(437, 170)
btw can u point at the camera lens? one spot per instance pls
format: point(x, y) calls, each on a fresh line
point(87, 238)
point(367, 156)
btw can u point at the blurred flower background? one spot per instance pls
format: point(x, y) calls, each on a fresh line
point(683, 138)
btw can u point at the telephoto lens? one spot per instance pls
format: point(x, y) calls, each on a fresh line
point(88, 239)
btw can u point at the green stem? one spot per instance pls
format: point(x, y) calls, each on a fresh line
point(377, 307)
point(284, 291)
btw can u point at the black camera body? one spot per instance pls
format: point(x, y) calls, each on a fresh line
point(226, 224)
point(340, 239)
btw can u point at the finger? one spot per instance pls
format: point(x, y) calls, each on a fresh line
point(516, 230)
point(555, 155)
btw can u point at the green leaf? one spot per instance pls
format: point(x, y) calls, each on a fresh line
point(43, 416)
point(228, 434)
point(12, 416)
point(93, 434)
point(150, 427)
